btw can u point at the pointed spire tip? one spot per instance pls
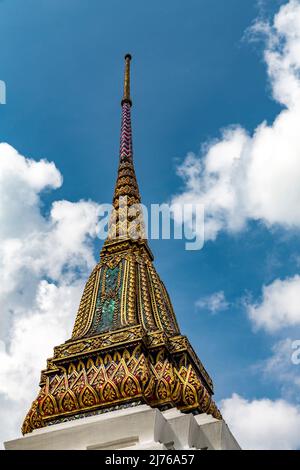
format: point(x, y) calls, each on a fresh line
point(126, 95)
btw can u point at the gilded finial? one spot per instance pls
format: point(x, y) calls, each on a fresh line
point(126, 95)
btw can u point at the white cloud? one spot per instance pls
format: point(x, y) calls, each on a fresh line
point(34, 246)
point(21, 181)
point(279, 306)
point(263, 424)
point(281, 368)
point(241, 176)
point(214, 303)
point(34, 334)
point(44, 262)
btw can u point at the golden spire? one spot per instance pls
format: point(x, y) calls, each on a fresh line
point(126, 199)
point(126, 348)
point(126, 95)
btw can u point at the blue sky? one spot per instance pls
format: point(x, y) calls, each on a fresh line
point(194, 73)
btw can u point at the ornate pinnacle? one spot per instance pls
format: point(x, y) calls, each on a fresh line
point(126, 95)
point(126, 195)
point(126, 347)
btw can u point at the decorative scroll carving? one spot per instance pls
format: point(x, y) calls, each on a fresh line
point(96, 343)
point(111, 379)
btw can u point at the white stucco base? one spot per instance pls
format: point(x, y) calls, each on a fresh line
point(140, 427)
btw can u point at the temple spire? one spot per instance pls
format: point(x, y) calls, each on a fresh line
point(126, 199)
point(126, 347)
point(126, 94)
